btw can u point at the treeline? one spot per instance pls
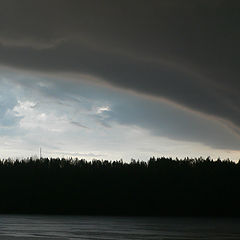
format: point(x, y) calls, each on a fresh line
point(161, 186)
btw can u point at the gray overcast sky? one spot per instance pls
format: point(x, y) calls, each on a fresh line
point(120, 79)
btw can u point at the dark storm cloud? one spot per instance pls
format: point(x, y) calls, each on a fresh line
point(185, 51)
point(173, 123)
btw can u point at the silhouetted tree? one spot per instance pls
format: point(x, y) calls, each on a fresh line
point(161, 186)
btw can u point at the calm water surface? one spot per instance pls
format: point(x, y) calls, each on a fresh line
point(18, 227)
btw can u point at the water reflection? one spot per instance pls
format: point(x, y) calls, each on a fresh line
point(87, 227)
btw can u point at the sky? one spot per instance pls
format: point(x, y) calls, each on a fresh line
point(119, 79)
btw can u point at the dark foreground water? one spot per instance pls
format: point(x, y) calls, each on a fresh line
point(18, 227)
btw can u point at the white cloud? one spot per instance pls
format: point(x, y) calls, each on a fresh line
point(24, 106)
point(103, 109)
point(33, 118)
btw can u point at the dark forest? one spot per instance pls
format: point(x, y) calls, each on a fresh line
point(159, 187)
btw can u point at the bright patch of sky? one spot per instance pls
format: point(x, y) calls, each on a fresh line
point(76, 119)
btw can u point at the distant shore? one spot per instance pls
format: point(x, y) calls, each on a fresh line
point(159, 187)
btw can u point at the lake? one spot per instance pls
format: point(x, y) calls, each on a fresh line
point(18, 227)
